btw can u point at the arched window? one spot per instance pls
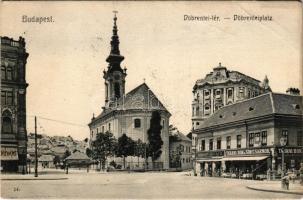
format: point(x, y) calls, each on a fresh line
point(117, 90)
point(137, 123)
point(7, 122)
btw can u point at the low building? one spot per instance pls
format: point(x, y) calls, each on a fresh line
point(46, 161)
point(244, 138)
point(180, 151)
point(78, 159)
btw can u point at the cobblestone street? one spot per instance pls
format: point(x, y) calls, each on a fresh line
point(132, 185)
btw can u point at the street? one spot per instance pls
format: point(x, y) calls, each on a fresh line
point(158, 185)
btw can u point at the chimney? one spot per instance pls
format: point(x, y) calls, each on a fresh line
point(293, 91)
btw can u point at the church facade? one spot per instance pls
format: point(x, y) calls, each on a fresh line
point(128, 113)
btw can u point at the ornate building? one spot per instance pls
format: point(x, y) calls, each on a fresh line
point(128, 113)
point(243, 139)
point(13, 104)
point(222, 87)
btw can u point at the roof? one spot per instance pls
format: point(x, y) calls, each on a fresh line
point(180, 136)
point(78, 156)
point(46, 158)
point(221, 75)
point(141, 97)
point(59, 149)
point(266, 104)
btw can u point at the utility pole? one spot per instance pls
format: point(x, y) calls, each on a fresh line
point(36, 153)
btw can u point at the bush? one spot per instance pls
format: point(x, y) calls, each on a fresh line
point(113, 163)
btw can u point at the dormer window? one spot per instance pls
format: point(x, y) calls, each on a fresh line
point(234, 113)
point(296, 106)
point(251, 109)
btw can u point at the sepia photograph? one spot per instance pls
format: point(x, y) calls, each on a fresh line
point(151, 100)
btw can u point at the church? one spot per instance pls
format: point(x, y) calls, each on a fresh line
point(128, 113)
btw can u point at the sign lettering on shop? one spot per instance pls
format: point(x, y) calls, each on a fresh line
point(9, 153)
point(247, 152)
point(291, 150)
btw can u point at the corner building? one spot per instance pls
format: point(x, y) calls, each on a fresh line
point(223, 87)
point(128, 113)
point(243, 139)
point(13, 105)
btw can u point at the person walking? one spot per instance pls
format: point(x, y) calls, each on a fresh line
point(301, 173)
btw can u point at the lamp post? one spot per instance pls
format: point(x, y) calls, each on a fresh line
point(283, 142)
point(284, 180)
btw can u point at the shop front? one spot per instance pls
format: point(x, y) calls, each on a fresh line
point(293, 156)
point(9, 158)
point(209, 163)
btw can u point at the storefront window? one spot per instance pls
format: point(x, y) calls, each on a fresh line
point(219, 143)
point(264, 138)
point(285, 135)
point(251, 140)
point(239, 137)
point(228, 140)
point(211, 144)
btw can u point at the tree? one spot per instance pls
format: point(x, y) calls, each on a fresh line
point(103, 147)
point(154, 137)
point(56, 160)
point(66, 154)
point(125, 147)
point(140, 149)
point(89, 152)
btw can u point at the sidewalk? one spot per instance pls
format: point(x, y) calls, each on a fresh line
point(21, 177)
point(275, 186)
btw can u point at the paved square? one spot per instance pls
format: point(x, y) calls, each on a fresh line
point(159, 185)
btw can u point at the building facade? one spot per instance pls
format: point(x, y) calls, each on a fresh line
point(180, 151)
point(243, 139)
point(222, 87)
point(128, 113)
point(13, 105)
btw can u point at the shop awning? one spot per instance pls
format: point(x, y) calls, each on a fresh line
point(247, 158)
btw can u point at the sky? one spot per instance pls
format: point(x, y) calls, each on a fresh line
point(67, 56)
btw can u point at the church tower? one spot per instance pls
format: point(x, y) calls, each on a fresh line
point(114, 76)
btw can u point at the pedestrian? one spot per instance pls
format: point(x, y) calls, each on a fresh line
point(301, 173)
point(268, 174)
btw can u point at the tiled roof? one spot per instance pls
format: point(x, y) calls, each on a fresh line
point(46, 158)
point(78, 156)
point(266, 104)
point(180, 136)
point(141, 97)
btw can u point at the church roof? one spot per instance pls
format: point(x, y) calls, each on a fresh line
point(140, 98)
point(263, 105)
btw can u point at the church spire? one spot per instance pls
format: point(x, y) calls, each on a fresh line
point(114, 59)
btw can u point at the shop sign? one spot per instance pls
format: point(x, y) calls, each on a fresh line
point(9, 153)
point(210, 154)
point(242, 152)
point(291, 150)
